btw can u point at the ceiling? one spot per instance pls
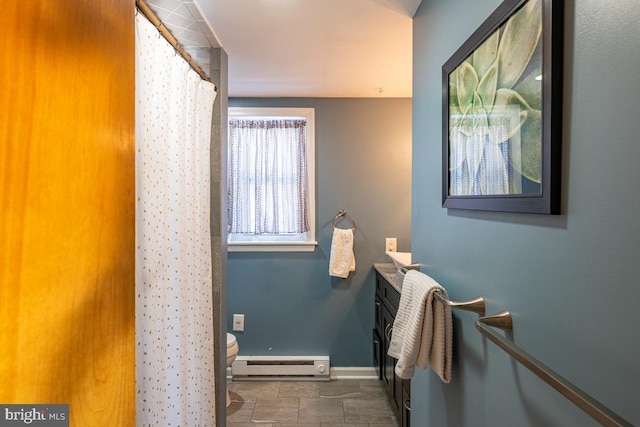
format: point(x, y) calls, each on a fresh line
point(302, 48)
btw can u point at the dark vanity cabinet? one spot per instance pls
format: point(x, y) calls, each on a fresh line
point(398, 390)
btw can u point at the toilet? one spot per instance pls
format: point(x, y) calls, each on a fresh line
point(232, 352)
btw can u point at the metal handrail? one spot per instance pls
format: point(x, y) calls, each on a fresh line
point(503, 321)
point(588, 404)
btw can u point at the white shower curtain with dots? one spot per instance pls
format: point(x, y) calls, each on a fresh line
point(174, 312)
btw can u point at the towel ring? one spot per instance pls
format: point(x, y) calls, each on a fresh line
point(342, 214)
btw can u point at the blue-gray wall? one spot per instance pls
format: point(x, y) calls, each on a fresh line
point(291, 304)
point(571, 282)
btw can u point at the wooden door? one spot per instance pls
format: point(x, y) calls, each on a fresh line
point(67, 207)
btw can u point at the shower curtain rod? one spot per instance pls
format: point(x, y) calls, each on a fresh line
point(146, 11)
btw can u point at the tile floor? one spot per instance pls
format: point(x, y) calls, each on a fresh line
point(336, 403)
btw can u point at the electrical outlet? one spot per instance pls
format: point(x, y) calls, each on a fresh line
point(238, 322)
point(390, 244)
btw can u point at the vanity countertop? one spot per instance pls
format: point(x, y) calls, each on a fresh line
point(391, 275)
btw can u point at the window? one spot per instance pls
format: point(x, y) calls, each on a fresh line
point(271, 187)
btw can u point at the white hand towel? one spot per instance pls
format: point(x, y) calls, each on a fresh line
point(423, 329)
point(342, 261)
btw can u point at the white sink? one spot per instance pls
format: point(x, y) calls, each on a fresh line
point(400, 259)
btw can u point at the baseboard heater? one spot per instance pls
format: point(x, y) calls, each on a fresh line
point(314, 368)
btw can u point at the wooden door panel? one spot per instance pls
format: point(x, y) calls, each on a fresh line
point(67, 207)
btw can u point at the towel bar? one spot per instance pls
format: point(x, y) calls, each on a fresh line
point(476, 305)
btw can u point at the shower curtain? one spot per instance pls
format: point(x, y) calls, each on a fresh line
point(174, 313)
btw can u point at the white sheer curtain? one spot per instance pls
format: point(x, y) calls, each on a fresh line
point(267, 176)
point(174, 313)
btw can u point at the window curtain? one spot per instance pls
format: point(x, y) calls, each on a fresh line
point(174, 309)
point(267, 176)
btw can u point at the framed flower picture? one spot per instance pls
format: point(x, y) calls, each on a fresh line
point(502, 112)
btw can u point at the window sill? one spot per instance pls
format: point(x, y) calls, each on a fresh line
point(271, 246)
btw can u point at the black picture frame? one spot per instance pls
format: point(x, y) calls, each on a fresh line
point(521, 173)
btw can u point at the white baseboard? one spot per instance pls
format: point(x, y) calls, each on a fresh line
point(343, 373)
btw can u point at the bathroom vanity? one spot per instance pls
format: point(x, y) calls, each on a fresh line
point(387, 299)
